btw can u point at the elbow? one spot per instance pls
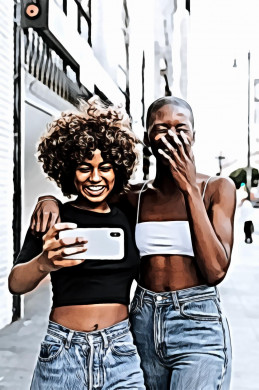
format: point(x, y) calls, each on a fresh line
point(12, 284)
point(214, 277)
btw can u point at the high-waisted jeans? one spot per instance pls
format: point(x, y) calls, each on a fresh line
point(182, 339)
point(104, 359)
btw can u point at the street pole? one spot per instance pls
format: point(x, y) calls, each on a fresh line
point(249, 169)
point(17, 205)
point(220, 158)
point(248, 118)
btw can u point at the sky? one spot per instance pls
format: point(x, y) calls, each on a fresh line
point(220, 32)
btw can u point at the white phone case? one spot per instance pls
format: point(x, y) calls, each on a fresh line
point(103, 243)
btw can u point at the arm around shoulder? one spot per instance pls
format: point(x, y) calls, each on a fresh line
point(45, 214)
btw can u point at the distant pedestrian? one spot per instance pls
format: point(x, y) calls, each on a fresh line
point(246, 214)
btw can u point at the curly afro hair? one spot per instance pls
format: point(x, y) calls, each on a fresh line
point(76, 135)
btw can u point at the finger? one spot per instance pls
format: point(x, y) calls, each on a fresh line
point(38, 223)
point(34, 218)
point(172, 150)
point(185, 138)
point(187, 144)
point(45, 221)
point(172, 162)
point(178, 143)
point(73, 250)
point(53, 219)
point(68, 241)
point(175, 138)
point(67, 263)
point(32, 223)
point(167, 144)
point(61, 254)
point(52, 232)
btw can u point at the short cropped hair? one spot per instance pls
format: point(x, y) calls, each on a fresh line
point(76, 135)
point(173, 100)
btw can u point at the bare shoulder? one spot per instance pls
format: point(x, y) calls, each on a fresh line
point(222, 190)
point(136, 187)
point(221, 183)
point(215, 183)
point(131, 196)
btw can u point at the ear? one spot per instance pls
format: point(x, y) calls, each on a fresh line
point(146, 139)
point(193, 136)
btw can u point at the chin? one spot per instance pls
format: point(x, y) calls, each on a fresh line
point(97, 199)
point(162, 160)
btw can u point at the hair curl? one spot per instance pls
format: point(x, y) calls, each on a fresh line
point(76, 135)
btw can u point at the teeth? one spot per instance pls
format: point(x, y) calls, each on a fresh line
point(95, 188)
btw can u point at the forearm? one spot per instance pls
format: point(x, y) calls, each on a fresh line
point(25, 277)
point(210, 253)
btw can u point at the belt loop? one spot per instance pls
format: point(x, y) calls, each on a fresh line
point(69, 338)
point(105, 339)
point(175, 299)
point(217, 292)
point(142, 293)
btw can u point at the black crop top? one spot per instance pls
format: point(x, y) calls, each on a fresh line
point(93, 281)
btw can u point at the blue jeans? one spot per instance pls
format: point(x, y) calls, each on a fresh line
point(182, 339)
point(104, 359)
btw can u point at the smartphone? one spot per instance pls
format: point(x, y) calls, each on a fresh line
point(103, 243)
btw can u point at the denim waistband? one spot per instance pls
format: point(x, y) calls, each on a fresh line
point(177, 295)
point(107, 334)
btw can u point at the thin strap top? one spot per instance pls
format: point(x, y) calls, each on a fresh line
point(139, 195)
point(145, 183)
point(164, 237)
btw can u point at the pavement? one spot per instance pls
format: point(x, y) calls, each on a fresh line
point(20, 341)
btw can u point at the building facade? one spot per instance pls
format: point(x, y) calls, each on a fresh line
point(124, 51)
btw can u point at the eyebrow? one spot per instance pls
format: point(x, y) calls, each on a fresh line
point(180, 124)
point(90, 165)
point(167, 124)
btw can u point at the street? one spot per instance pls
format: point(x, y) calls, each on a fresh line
point(239, 291)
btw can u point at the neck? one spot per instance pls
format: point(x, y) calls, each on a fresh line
point(83, 203)
point(164, 180)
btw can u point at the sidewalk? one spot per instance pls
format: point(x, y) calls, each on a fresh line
point(240, 296)
point(20, 341)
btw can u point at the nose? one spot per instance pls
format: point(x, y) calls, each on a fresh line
point(95, 176)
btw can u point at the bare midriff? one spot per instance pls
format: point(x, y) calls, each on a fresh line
point(88, 318)
point(162, 273)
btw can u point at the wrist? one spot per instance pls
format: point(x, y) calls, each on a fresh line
point(44, 265)
point(46, 197)
point(192, 190)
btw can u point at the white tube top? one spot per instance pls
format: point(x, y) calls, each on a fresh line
point(164, 238)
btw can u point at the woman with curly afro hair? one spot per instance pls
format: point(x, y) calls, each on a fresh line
point(90, 153)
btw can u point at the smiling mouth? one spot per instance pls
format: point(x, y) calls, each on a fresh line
point(94, 190)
